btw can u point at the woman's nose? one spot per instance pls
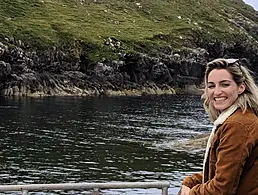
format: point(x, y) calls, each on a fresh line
point(217, 90)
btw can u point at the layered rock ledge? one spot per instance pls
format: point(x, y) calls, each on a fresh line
point(25, 72)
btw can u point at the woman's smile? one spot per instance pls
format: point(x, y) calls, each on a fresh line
point(220, 99)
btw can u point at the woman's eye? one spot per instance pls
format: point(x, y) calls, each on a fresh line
point(225, 84)
point(210, 86)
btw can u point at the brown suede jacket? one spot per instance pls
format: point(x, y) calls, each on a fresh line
point(232, 168)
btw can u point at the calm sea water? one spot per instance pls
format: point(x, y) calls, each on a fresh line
point(100, 139)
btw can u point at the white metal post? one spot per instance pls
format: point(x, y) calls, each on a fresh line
point(164, 191)
point(25, 192)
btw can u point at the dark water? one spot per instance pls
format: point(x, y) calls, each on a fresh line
point(67, 139)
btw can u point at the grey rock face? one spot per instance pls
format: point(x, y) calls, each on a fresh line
point(55, 72)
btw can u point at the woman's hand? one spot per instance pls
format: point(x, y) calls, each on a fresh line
point(185, 190)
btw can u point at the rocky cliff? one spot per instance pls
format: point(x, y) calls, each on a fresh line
point(127, 48)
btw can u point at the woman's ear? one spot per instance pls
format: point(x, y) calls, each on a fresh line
point(241, 88)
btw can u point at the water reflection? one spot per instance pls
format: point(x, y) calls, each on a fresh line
point(68, 139)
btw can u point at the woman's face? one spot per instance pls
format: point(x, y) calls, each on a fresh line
point(222, 90)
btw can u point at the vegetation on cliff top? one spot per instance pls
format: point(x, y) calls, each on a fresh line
point(106, 26)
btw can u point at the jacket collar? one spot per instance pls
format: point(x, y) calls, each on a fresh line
point(220, 120)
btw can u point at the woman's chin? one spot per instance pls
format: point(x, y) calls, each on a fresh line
point(220, 107)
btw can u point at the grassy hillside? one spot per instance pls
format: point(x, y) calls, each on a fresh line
point(108, 25)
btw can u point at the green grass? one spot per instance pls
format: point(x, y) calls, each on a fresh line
point(149, 24)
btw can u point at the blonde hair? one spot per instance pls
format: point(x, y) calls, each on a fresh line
point(240, 74)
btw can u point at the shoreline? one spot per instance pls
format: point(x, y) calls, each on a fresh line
point(144, 91)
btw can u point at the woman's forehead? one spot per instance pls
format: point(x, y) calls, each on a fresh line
point(219, 75)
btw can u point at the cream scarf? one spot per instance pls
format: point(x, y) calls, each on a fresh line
point(220, 120)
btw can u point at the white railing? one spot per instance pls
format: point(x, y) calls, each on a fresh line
point(25, 189)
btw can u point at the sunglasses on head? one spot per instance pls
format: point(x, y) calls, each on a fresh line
point(236, 62)
point(231, 61)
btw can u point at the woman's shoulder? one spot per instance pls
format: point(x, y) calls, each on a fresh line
point(245, 121)
point(246, 117)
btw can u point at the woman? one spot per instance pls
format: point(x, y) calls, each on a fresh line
point(231, 159)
